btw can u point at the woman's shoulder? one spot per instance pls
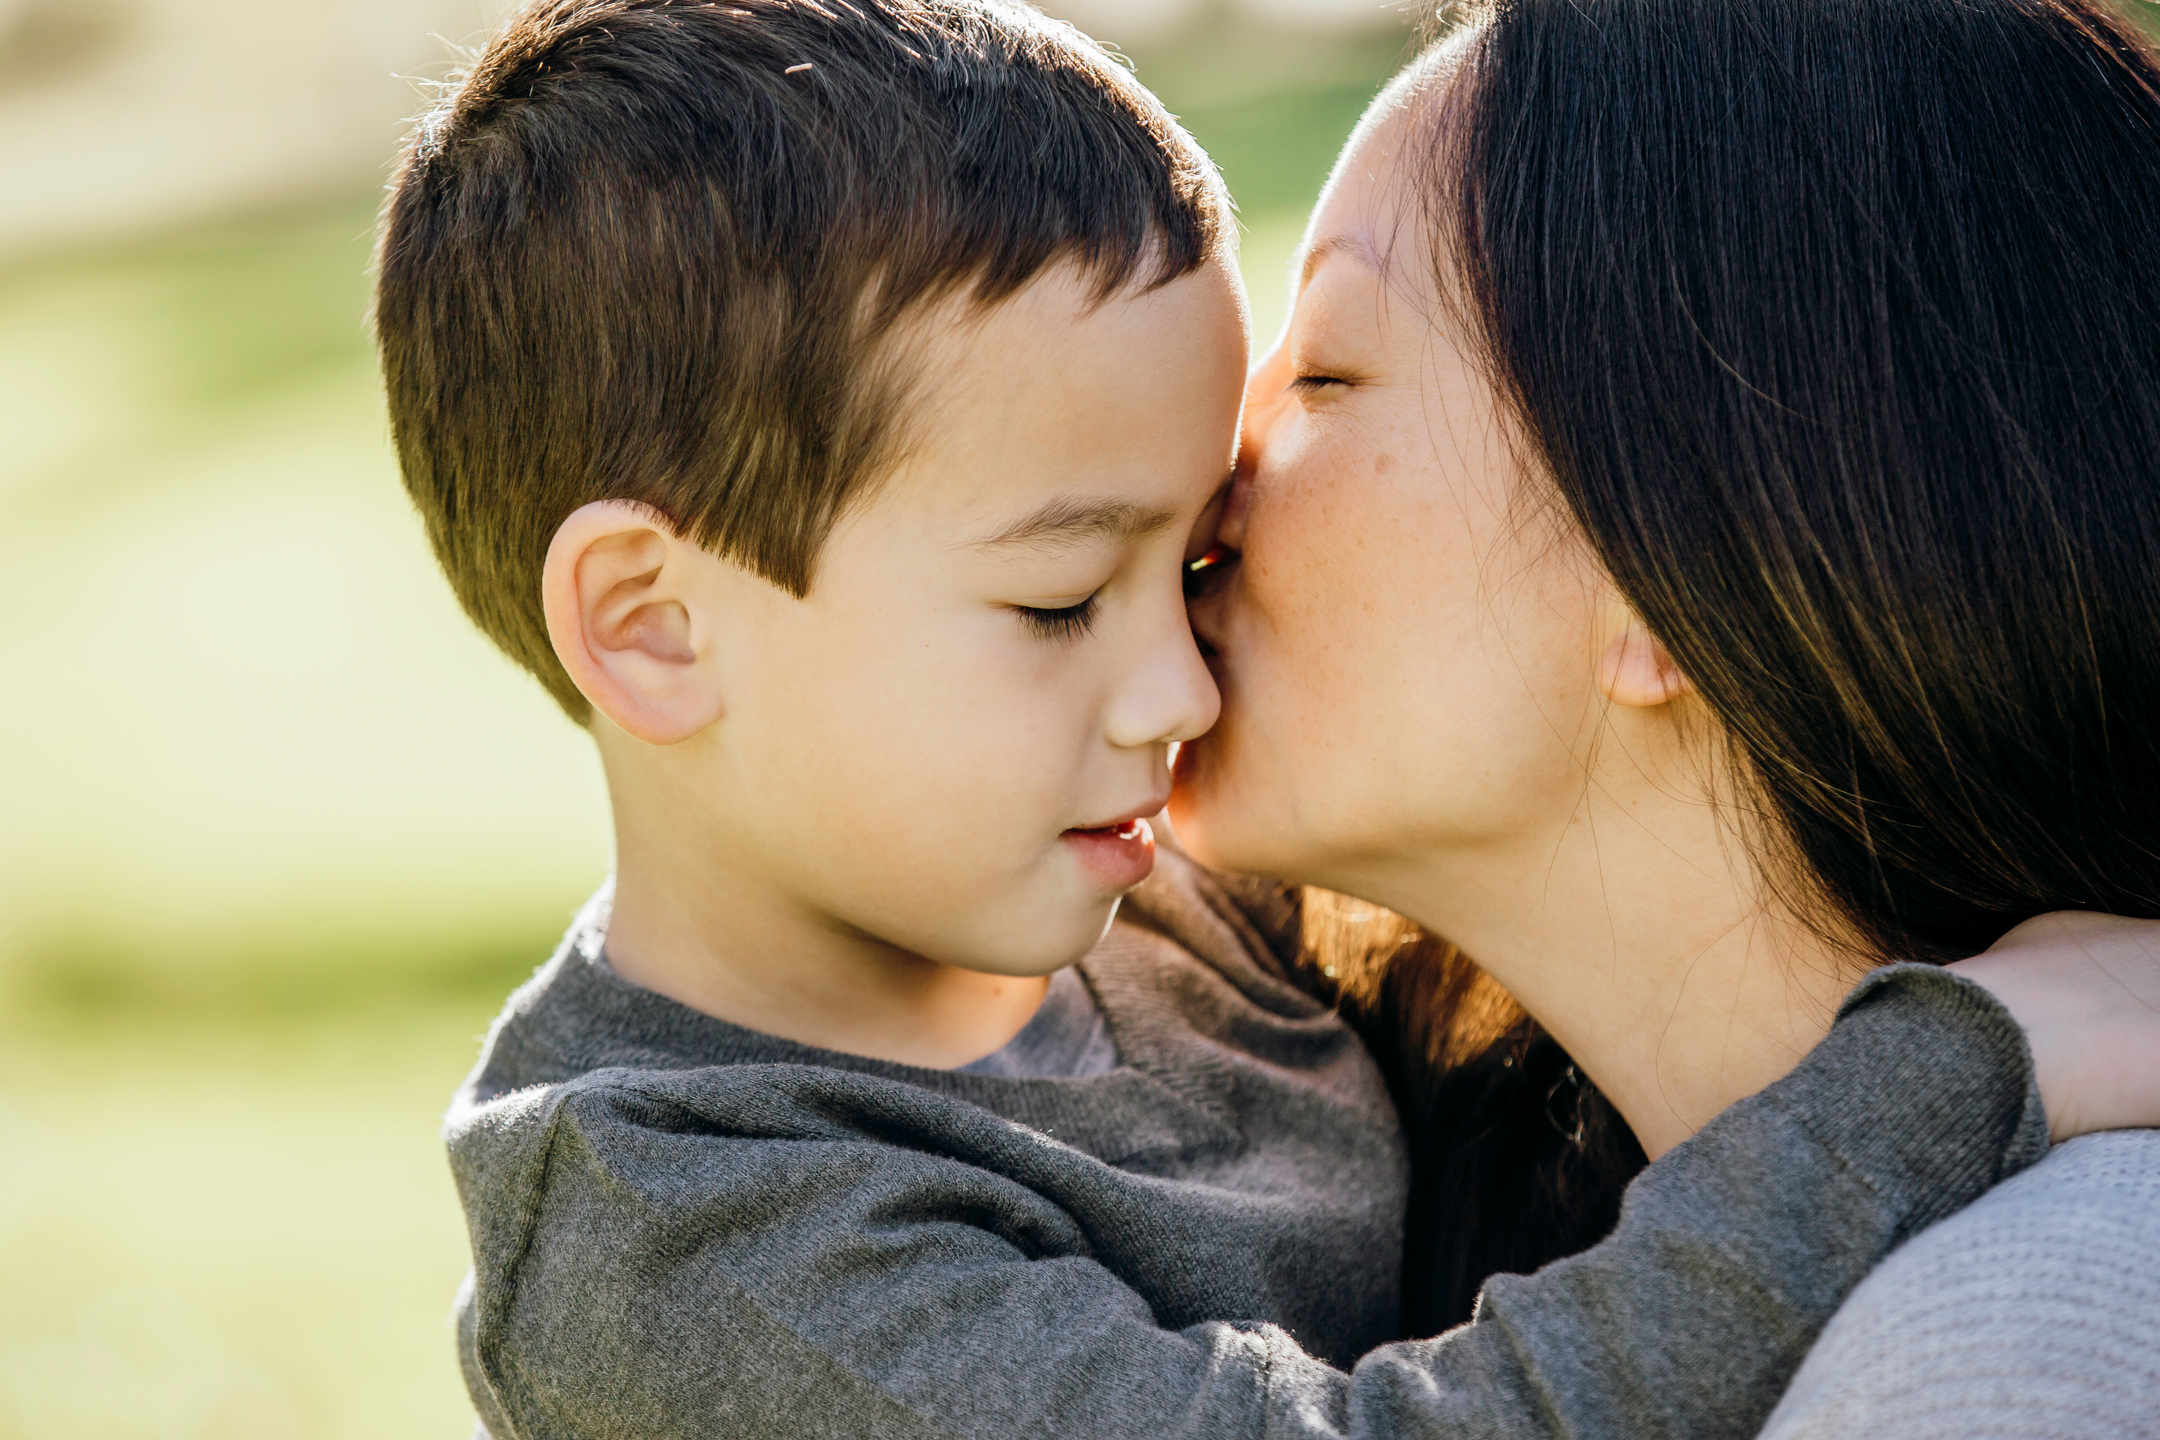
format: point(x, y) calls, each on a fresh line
point(2031, 1313)
point(2091, 1170)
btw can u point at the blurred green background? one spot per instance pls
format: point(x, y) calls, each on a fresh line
point(277, 829)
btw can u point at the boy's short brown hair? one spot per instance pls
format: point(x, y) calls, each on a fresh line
point(647, 249)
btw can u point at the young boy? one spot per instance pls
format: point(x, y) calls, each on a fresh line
point(823, 399)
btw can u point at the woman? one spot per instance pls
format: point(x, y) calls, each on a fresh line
point(1700, 537)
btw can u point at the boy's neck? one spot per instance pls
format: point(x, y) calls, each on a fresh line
point(705, 937)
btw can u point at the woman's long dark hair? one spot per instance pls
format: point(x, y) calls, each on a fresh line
point(1835, 325)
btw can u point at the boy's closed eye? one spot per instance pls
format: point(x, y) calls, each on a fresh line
point(1066, 622)
point(1078, 525)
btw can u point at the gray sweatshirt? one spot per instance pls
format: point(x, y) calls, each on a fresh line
point(681, 1228)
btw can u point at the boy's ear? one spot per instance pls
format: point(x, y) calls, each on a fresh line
point(625, 598)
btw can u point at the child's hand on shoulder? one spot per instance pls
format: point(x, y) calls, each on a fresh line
point(2086, 989)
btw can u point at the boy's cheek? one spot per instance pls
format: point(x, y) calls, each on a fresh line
point(935, 823)
point(959, 883)
point(939, 753)
point(939, 782)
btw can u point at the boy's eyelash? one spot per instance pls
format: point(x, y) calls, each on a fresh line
point(1069, 623)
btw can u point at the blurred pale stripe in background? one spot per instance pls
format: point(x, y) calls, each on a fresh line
point(279, 829)
point(119, 114)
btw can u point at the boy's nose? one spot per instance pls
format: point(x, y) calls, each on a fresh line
point(1170, 698)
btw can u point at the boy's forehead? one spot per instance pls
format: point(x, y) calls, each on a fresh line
point(1058, 412)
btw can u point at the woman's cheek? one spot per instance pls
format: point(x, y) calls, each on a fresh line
point(1306, 613)
point(1315, 553)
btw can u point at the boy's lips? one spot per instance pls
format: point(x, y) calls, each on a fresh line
point(1120, 853)
point(1151, 806)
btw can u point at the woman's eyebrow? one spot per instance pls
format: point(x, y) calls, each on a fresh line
point(1068, 521)
point(1352, 244)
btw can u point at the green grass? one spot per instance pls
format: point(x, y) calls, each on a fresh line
point(231, 1230)
point(281, 829)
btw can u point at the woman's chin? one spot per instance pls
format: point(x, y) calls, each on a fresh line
point(1203, 812)
point(1188, 809)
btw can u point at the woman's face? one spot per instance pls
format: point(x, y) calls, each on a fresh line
point(1433, 699)
point(1407, 650)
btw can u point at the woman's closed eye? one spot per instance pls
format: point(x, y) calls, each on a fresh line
point(1311, 382)
point(1067, 623)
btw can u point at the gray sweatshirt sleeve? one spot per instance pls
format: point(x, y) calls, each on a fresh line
point(910, 1302)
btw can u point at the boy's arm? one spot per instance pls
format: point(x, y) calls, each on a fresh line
point(1734, 1249)
point(621, 1303)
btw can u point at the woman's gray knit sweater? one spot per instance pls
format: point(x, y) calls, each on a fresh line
point(684, 1229)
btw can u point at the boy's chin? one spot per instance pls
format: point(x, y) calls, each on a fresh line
point(1059, 935)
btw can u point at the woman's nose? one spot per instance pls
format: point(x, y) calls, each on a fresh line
point(1267, 391)
point(1267, 395)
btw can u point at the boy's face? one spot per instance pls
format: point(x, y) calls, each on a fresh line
point(937, 747)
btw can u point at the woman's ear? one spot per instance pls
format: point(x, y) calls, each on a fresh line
point(1637, 671)
point(623, 595)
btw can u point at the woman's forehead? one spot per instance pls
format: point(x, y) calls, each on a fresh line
point(1361, 213)
point(1375, 189)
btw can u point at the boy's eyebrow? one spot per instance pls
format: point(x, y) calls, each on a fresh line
point(1071, 521)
